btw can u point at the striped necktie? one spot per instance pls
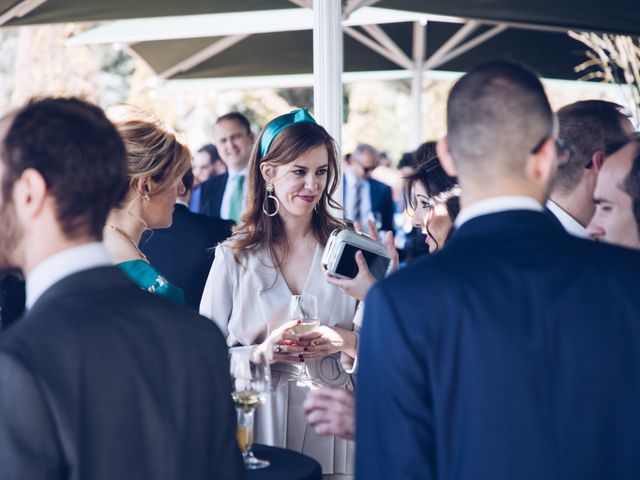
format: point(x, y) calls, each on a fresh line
point(358, 203)
point(235, 206)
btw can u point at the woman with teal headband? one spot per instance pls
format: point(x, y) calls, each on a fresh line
point(275, 253)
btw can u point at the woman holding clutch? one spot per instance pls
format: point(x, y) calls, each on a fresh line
point(275, 253)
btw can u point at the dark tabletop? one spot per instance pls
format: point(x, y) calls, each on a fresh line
point(285, 465)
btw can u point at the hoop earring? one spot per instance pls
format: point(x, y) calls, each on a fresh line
point(265, 203)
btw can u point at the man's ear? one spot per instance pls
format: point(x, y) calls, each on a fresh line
point(444, 155)
point(597, 159)
point(542, 166)
point(30, 193)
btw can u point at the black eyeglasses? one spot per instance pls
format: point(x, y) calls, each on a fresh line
point(564, 149)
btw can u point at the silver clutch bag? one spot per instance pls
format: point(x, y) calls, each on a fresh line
point(339, 258)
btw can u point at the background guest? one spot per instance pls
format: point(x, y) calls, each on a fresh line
point(276, 252)
point(183, 253)
point(206, 163)
point(586, 128)
point(157, 160)
point(617, 198)
point(433, 196)
point(363, 196)
point(224, 196)
point(331, 411)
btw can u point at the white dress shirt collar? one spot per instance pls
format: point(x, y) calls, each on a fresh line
point(501, 203)
point(234, 173)
point(62, 264)
point(569, 223)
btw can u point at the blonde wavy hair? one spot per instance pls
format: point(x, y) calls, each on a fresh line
point(154, 150)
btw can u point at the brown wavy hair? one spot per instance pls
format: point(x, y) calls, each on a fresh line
point(258, 230)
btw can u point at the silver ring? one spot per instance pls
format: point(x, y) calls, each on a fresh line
point(278, 349)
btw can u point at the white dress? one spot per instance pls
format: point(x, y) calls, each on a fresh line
point(249, 300)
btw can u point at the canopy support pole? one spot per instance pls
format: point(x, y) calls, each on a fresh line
point(20, 10)
point(353, 5)
point(456, 52)
point(327, 71)
point(403, 62)
point(205, 54)
point(303, 3)
point(419, 50)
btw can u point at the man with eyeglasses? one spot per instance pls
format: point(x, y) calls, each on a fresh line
point(363, 197)
point(514, 352)
point(224, 196)
point(586, 128)
point(617, 198)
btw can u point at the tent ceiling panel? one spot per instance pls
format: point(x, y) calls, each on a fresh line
point(615, 16)
point(54, 11)
point(291, 52)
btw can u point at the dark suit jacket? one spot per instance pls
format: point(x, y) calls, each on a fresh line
point(514, 353)
point(101, 380)
point(381, 201)
point(12, 298)
point(211, 193)
point(183, 253)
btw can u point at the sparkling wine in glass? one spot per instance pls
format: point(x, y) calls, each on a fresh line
point(304, 308)
point(251, 384)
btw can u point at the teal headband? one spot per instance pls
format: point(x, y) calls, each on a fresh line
point(280, 123)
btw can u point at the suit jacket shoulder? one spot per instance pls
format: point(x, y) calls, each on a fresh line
point(211, 195)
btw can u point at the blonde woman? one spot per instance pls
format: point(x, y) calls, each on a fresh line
point(157, 160)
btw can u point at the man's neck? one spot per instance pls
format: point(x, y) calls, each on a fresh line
point(39, 251)
point(471, 194)
point(575, 206)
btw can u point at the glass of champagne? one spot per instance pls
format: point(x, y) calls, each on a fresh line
point(251, 384)
point(305, 309)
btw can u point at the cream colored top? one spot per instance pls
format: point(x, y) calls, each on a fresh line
point(250, 300)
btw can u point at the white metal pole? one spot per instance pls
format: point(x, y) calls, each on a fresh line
point(327, 70)
point(419, 48)
point(328, 65)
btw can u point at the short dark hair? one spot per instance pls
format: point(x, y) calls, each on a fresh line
point(236, 117)
point(631, 184)
point(211, 150)
point(72, 144)
point(588, 126)
point(496, 114)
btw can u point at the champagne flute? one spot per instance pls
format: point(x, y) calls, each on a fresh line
point(304, 308)
point(251, 384)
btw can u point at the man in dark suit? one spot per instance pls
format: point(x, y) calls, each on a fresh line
point(99, 379)
point(183, 253)
point(364, 197)
point(513, 352)
point(224, 196)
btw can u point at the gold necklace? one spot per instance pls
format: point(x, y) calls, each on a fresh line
point(129, 239)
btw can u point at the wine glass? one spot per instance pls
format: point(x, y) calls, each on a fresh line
point(304, 308)
point(251, 384)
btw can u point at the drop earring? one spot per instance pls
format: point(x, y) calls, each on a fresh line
point(265, 203)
